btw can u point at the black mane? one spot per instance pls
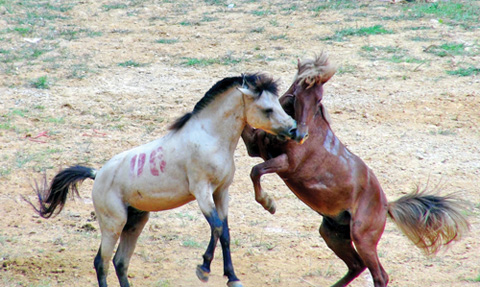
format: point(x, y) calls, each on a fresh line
point(258, 82)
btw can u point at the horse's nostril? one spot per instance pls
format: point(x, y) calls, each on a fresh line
point(293, 133)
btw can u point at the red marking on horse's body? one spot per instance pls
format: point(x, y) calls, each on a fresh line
point(157, 162)
point(153, 168)
point(133, 161)
point(162, 165)
point(141, 163)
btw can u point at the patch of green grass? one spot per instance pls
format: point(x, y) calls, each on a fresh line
point(417, 28)
point(131, 63)
point(477, 279)
point(227, 60)
point(4, 171)
point(337, 5)
point(41, 83)
point(189, 23)
point(216, 2)
point(443, 132)
point(191, 243)
point(383, 49)
point(79, 71)
point(278, 37)
point(206, 18)
point(464, 13)
point(340, 35)
point(403, 59)
point(421, 39)
point(447, 49)
point(59, 120)
point(6, 125)
point(346, 69)
point(199, 62)
point(257, 30)
point(18, 112)
point(389, 54)
point(166, 41)
point(114, 6)
point(21, 159)
point(262, 12)
point(464, 72)
point(23, 30)
point(73, 34)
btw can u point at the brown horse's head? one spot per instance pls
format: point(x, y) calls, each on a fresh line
point(306, 92)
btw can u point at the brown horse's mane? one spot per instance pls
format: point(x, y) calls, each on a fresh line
point(258, 82)
point(315, 71)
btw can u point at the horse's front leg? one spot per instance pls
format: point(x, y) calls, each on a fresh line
point(221, 202)
point(277, 164)
point(219, 230)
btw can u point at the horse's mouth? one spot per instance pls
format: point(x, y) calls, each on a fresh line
point(282, 137)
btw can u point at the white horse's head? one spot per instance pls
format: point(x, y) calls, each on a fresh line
point(262, 108)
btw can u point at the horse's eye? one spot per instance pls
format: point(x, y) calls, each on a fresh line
point(268, 112)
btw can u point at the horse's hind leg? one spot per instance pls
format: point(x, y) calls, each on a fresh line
point(338, 239)
point(112, 216)
point(136, 220)
point(366, 229)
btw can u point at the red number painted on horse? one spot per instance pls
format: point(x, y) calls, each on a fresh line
point(133, 161)
point(157, 162)
point(140, 163)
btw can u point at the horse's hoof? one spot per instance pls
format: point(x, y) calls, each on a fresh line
point(272, 208)
point(234, 284)
point(202, 274)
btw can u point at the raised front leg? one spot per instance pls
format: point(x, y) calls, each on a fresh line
point(277, 164)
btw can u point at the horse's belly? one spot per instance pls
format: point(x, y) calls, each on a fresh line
point(322, 198)
point(160, 202)
point(151, 194)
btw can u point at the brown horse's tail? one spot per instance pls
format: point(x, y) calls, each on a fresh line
point(430, 221)
point(50, 198)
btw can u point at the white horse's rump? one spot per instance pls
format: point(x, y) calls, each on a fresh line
point(193, 161)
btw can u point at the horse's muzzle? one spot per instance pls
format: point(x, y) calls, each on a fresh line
point(300, 134)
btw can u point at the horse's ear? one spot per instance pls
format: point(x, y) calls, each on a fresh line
point(246, 91)
point(298, 64)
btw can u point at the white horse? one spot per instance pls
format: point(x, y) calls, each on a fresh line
point(193, 161)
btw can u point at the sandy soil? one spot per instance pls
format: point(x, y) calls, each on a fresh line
point(410, 121)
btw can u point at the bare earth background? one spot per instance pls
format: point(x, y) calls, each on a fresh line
point(82, 80)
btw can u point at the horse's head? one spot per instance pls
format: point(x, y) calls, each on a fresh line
point(306, 92)
point(262, 108)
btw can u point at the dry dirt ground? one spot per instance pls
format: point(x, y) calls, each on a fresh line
point(82, 80)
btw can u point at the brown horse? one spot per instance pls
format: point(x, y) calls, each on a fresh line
point(337, 184)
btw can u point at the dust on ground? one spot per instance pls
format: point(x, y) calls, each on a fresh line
point(93, 78)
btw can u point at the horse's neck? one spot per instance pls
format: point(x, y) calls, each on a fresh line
point(321, 122)
point(225, 118)
point(324, 114)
